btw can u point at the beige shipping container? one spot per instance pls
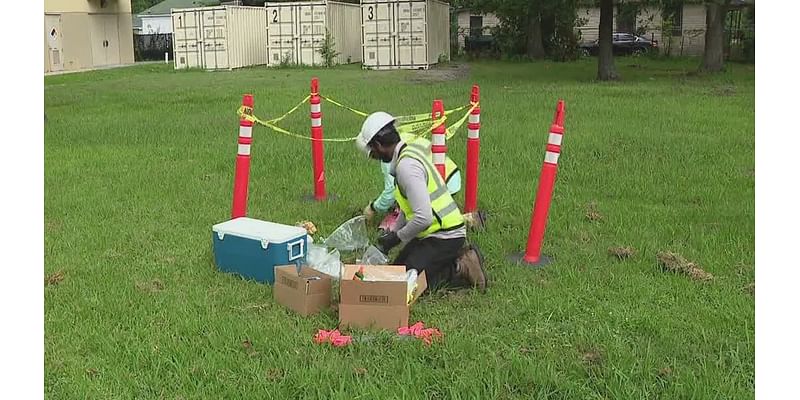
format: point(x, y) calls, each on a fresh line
point(297, 31)
point(404, 34)
point(217, 38)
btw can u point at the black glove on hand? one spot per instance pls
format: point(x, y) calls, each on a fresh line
point(388, 241)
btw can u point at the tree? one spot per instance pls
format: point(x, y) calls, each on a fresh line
point(713, 53)
point(530, 27)
point(606, 70)
point(138, 6)
point(534, 46)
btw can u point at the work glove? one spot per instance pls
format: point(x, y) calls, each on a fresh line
point(388, 241)
point(369, 211)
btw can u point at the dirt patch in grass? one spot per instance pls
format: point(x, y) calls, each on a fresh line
point(750, 289)
point(665, 373)
point(358, 371)
point(592, 357)
point(153, 286)
point(723, 90)
point(584, 237)
point(542, 282)
point(52, 225)
point(54, 279)
point(449, 72)
point(111, 253)
point(672, 262)
point(592, 213)
point(248, 347)
point(622, 253)
point(274, 374)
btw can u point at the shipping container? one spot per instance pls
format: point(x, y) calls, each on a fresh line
point(410, 34)
point(297, 31)
point(225, 37)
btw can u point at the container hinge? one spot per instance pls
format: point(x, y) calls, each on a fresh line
point(220, 235)
point(264, 243)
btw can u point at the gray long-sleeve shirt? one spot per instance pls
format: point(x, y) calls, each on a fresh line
point(412, 176)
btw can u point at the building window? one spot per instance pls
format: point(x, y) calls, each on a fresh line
point(475, 26)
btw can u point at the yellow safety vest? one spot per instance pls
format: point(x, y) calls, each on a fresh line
point(450, 166)
point(446, 215)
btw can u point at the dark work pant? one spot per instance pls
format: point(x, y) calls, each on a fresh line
point(437, 257)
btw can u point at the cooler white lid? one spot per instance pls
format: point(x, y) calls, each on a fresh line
point(259, 230)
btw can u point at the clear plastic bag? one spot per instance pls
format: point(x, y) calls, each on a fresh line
point(373, 256)
point(349, 236)
point(372, 274)
point(321, 260)
point(411, 282)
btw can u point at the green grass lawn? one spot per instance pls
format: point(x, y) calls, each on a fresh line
point(139, 164)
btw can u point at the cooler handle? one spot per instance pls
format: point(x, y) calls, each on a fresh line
point(300, 254)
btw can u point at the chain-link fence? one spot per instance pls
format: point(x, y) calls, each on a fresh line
point(151, 47)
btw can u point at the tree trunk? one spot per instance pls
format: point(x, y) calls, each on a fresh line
point(535, 48)
point(606, 70)
point(713, 59)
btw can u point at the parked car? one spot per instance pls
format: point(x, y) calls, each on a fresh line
point(622, 44)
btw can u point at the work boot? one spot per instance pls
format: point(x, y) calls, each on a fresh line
point(470, 267)
point(475, 220)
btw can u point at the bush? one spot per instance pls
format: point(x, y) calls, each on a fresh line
point(509, 39)
point(328, 50)
point(564, 45)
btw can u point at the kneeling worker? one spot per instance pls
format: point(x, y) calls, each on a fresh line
point(385, 203)
point(431, 225)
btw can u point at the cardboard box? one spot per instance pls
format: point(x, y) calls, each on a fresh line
point(376, 304)
point(302, 293)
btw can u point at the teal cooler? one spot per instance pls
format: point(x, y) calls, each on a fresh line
point(252, 248)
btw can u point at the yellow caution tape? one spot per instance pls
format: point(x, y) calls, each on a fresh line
point(416, 125)
point(270, 124)
point(285, 132)
point(451, 130)
point(332, 101)
point(276, 120)
point(405, 119)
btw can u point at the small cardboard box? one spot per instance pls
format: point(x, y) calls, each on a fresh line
point(302, 293)
point(376, 304)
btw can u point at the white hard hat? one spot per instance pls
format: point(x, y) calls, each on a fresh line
point(372, 125)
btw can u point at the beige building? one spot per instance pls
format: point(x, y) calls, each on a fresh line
point(687, 36)
point(474, 24)
point(86, 34)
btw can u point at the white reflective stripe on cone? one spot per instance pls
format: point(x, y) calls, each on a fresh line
point(244, 149)
point(438, 139)
point(473, 134)
point(315, 108)
point(550, 157)
point(315, 122)
point(555, 138)
point(246, 131)
point(438, 158)
point(474, 118)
